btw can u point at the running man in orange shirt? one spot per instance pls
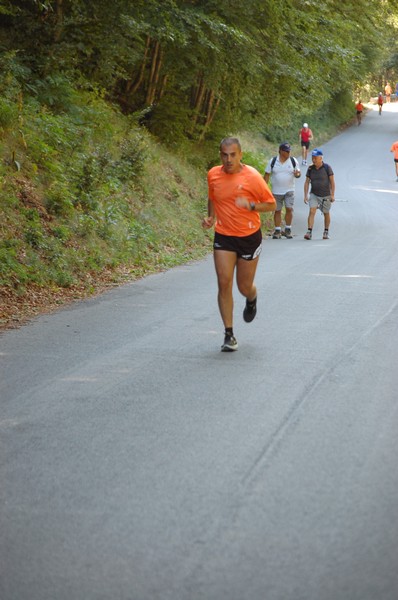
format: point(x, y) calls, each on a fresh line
point(237, 193)
point(394, 148)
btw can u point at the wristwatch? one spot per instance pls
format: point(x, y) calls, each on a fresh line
point(252, 205)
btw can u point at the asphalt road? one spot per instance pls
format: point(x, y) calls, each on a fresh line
point(138, 462)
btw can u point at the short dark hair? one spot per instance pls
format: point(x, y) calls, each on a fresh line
point(227, 141)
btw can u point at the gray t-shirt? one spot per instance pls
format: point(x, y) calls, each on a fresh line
point(320, 184)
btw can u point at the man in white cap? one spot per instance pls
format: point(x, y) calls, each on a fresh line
point(283, 170)
point(305, 137)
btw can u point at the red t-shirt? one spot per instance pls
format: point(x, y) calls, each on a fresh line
point(225, 188)
point(305, 134)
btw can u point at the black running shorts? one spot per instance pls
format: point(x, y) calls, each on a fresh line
point(248, 247)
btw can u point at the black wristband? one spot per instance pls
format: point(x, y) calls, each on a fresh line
point(252, 205)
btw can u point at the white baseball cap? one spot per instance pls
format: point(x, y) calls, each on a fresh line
point(305, 124)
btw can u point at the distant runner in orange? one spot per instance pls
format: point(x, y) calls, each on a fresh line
point(394, 148)
point(359, 109)
point(387, 91)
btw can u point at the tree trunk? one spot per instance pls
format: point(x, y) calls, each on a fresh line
point(131, 87)
point(59, 20)
point(159, 65)
point(150, 96)
point(211, 110)
point(197, 102)
point(162, 86)
point(198, 92)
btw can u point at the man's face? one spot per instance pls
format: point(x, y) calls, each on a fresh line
point(317, 160)
point(284, 154)
point(231, 156)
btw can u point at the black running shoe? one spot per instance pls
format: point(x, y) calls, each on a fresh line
point(230, 344)
point(250, 310)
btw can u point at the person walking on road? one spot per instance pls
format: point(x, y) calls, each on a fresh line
point(283, 170)
point(380, 102)
point(237, 193)
point(387, 91)
point(321, 177)
point(394, 148)
point(305, 137)
point(359, 109)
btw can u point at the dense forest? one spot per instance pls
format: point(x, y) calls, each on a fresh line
point(185, 67)
point(110, 115)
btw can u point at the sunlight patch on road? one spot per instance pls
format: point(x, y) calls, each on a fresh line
point(9, 423)
point(371, 189)
point(387, 106)
point(342, 276)
point(80, 379)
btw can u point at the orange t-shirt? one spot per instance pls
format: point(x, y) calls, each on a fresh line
point(394, 148)
point(225, 188)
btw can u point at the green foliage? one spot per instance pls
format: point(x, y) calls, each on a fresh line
point(8, 114)
point(86, 197)
point(58, 201)
point(86, 187)
point(255, 159)
point(198, 65)
point(12, 272)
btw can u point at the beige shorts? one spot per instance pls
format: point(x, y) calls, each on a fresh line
point(287, 199)
point(324, 204)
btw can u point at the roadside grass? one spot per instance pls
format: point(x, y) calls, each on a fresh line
point(89, 199)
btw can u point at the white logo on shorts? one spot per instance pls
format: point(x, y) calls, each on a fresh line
point(258, 251)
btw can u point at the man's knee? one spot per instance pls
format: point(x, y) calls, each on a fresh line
point(245, 289)
point(225, 284)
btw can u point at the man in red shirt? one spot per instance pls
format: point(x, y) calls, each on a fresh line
point(380, 102)
point(305, 137)
point(237, 193)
